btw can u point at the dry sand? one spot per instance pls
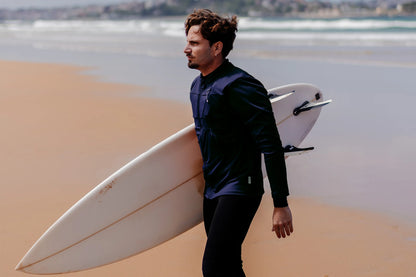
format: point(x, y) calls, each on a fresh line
point(64, 132)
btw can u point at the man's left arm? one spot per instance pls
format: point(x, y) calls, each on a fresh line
point(248, 98)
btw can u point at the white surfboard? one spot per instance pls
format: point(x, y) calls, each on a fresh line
point(152, 199)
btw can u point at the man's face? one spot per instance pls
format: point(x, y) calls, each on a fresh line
point(198, 51)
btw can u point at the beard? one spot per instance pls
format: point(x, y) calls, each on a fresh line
point(192, 65)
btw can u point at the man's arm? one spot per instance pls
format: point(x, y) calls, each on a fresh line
point(248, 98)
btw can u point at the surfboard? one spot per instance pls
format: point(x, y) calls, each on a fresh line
point(153, 198)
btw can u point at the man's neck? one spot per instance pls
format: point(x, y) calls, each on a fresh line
point(214, 65)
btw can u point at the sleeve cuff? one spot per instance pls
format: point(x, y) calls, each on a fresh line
point(280, 202)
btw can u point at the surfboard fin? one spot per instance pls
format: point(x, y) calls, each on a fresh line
point(306, 106)
point(293, 150)
point(276, 97)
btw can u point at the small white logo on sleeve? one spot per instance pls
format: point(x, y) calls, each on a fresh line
point(249, 180)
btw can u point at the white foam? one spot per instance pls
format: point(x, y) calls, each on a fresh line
point(364, 32)
point(317, 38)
point(245, 25)
point(339, 24)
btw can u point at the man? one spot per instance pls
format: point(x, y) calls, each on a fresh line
point(234, 124)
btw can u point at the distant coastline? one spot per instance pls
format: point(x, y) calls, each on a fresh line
point(257, 8)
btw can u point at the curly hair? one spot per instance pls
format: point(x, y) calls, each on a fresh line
point(214, 28)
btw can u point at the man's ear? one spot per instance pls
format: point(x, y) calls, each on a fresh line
point(217, 47)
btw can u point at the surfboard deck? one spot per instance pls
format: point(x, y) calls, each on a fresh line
point(153, 198)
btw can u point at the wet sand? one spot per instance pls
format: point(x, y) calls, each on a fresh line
point(64, 132)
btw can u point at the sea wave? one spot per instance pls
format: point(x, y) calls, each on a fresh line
point(370, 31)
point(327, 25)
point(87, 26)
point(364, 38)
point(175, 26)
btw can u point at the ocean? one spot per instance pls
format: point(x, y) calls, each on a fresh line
point(122, 51)
point(365, 140)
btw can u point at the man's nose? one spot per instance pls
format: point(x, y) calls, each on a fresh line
point(187, 50)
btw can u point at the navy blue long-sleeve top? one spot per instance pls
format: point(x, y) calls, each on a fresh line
point(234, 124)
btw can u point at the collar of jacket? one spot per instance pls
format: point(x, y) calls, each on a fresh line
point(214, 74)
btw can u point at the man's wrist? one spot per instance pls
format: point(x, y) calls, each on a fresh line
point(280, 201)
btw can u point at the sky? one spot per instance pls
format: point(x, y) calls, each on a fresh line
point(15, 4)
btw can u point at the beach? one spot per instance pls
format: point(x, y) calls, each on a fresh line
point(81, 99)
point(66, 131)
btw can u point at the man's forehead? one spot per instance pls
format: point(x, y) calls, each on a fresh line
point(194, 32)
point(194, 29)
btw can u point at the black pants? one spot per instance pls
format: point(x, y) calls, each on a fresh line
point(227, 220)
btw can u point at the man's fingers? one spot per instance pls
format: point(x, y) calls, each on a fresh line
point(281, 233)
point(283, 230)
point(276, 229)
point(289, 228)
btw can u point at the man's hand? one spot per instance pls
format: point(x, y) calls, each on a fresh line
point(282, 222)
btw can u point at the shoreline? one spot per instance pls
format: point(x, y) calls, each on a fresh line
point(67, 131)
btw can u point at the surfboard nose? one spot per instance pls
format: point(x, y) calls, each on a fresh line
point(19, 266)
point(23, 265)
